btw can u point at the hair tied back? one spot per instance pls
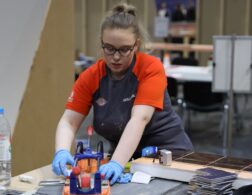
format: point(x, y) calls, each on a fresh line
point(119, 9)
point(132, 12)
point(124, 8)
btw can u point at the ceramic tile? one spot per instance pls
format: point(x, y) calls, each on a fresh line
point(233, 163)
point(199, 158)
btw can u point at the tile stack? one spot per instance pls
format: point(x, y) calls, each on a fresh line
point(211, 181)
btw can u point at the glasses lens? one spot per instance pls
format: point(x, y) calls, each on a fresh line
point(109, 50)
point(125, 51)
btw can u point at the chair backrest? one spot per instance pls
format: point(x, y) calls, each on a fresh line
point(172, 87)
point(185, 61)
point(199, 96)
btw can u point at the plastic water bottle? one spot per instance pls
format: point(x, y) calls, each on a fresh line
point(5, 150)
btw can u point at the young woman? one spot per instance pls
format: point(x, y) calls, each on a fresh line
point(127, 89)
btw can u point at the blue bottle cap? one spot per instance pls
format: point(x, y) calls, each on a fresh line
point(1, 110)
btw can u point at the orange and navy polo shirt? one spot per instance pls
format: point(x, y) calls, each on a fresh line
point(112, 100)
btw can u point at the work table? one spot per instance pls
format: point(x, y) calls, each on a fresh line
point(156, 186)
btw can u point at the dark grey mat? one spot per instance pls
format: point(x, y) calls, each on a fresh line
point(49, 190)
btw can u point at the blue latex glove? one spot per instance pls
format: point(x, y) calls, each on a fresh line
point(61, 159)
point(124, 178)
point(111, 170)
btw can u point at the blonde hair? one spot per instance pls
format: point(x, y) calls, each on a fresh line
point(124, 16)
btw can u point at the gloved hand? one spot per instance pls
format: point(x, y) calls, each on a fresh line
point(124, 178)
point(61, 159)
point(111, 170)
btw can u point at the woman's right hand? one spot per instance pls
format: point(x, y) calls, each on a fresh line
point(61, 159)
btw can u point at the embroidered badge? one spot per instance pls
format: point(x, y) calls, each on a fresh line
point(101, 101)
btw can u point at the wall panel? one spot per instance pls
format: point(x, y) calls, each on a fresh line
point(249, 21)
point(80, 27)
point(95, 12)
point(235, 17)
point(222, 17)
point(21, 25)
point(48, 87)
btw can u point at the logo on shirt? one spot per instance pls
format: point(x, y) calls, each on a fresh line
point(70, 98)
point(129, 98)
point(101, 101)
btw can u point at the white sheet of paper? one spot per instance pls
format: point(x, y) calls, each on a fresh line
point(141, 177)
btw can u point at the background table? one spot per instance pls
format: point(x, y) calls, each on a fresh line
point(189, 73)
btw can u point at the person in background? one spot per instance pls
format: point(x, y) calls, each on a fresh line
point(178, 15)
point(163, 10)
point(128, 91)
point(191, 12)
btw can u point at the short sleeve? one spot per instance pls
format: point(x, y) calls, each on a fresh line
point(81, 97)
point(152, 83)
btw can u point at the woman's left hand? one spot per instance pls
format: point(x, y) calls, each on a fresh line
point(112, 171)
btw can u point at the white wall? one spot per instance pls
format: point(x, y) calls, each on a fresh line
point(21, 23)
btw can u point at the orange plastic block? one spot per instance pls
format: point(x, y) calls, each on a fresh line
point(88, 165)
point(105, 190)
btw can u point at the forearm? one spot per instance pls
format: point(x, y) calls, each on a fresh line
point(64, 136)
point(132, 134)
point(129, 141)
point(67, 128)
